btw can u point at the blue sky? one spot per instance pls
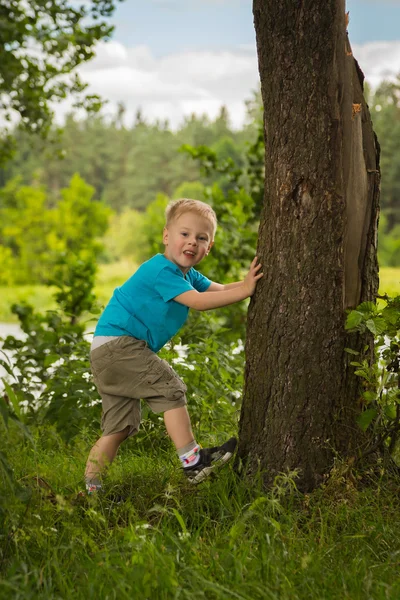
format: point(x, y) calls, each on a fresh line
point(171, 58)
point(374, 20)
point(176, 25)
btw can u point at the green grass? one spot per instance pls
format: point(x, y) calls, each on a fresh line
point(224, 539)
point(112, 275)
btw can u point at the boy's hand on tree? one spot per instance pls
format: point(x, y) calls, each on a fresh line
point(250, 281)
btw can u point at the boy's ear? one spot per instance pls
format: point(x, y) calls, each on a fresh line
point(165, 235)
point(211, 244)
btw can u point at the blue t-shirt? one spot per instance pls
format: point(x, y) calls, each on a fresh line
point(143, 306)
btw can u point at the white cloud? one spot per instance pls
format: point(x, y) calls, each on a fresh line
point(378, 60)
point(175, 85)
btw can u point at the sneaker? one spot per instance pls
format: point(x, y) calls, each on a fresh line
point(210, 459)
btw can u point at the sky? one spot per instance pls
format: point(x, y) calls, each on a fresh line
point(174, 57)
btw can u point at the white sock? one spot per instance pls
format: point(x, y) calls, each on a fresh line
point(189, 455)
point(93, 484)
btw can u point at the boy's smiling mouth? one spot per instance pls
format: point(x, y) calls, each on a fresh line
point(189, 253)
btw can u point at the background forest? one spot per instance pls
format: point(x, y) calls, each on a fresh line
point(95, 186)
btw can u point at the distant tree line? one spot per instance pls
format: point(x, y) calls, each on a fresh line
point(127, 166)
point(130, 167)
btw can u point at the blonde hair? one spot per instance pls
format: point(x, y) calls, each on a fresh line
point(176, 208)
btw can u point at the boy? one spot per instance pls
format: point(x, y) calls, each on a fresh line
point(142, 315)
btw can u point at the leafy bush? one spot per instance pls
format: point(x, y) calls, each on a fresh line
point(381, 398)
point(33, 233)
point(49, 371)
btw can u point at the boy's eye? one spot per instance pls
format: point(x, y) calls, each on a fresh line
point(203, 239)
point(184, 233)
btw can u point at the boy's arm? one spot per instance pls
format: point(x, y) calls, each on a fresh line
point(218, 298)
point(219, 287)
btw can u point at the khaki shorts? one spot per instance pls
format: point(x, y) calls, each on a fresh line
point(126, 370)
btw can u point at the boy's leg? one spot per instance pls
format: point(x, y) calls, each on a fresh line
point(101, 456)
point(167, 395)
point(125, 370)
point(179, 428)
point(197, 463)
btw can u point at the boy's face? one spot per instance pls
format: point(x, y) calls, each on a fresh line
point(187, 240)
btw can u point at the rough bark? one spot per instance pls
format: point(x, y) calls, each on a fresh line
point(317, 242)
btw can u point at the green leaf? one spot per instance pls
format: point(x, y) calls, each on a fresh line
point(50, 359)
point(13, 399)
point(275, 523)
point(391, 315)
point(365, 419)
point(367, 307)
point(390, 411)
point(354, 319)
point(370, 324)
point(257, 502)
point(361, 373)
point(380, 325)
point(180, 520)
point(351, 351)
point(369, 396)
point(4, 410)
point(6, 366)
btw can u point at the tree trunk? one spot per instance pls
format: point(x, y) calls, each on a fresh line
point(317, 243)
